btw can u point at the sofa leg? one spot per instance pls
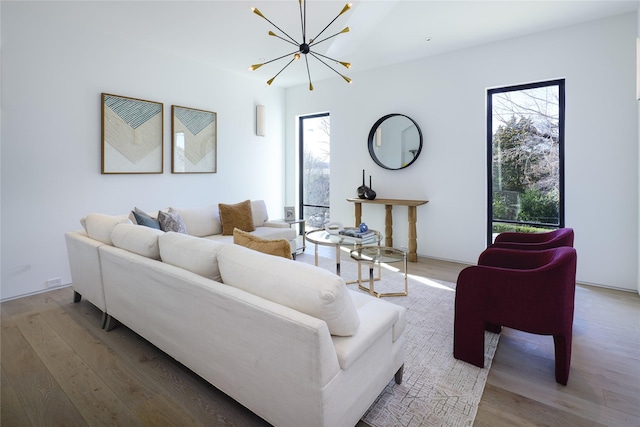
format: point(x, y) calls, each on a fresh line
point(110, 323)
point(398, 376)
point(103, 321)
point(76, 297)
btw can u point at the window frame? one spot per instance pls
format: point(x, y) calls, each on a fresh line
point(301, 201)
point(561, 151)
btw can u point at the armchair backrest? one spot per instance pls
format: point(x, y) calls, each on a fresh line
point(535, 241)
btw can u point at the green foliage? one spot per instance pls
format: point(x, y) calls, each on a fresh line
point(538, 206)
point(501, 227)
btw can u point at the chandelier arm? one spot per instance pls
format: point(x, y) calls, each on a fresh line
point(272, 34)
point(346, 8)
point(334, 70)
point(313, 43)
point(280, 29)
point(274, 77)
point(308, 72)
point(280, 57)
point(303, 20)
point(325, 56)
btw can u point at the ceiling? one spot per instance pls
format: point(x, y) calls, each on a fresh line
point(228, 35)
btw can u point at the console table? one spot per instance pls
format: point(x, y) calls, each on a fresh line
point(388, 229)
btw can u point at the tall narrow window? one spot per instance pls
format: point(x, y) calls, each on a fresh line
point(525, 158)
point(315, 137)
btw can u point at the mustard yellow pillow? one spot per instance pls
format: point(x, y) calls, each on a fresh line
point(278, 247)
point(236, 216)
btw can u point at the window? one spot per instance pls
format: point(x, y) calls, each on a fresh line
point(314, 167)
point(525, 158)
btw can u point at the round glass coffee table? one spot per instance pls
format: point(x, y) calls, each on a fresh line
point(377, 255)
point(321, 237)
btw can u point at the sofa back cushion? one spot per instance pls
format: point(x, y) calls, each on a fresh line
point(191, 253)
point(138, 239)
point(302, 287)
point(98, 226)
point(259, 212)
point(201, 221)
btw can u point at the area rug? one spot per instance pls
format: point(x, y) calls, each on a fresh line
point(437, 389)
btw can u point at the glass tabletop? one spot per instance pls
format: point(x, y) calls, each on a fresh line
point(378, 254)
point(323, 237)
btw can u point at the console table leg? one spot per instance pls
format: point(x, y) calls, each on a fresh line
point(388, 226)
point(413, 242)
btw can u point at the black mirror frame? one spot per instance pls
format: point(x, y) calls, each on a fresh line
point(372, 135)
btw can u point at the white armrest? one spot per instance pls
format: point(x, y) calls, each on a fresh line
point(276, 223)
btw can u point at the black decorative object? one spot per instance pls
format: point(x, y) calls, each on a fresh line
point(369, 194)
point(363, 188)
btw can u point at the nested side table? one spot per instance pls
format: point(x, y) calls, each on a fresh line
point(376, 255)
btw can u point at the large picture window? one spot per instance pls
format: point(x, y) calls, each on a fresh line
point(525, 158)
point(314, 168)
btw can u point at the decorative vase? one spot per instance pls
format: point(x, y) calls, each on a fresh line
point(369, 194)
point(363, 188)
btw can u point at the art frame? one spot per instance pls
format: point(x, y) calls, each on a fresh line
point(194, 140)
point(132, 135)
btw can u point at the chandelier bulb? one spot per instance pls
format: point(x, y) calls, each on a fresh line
point(270, 81)
point(255, 67)
point(347, 79)
point(296, 56)
point(257, 12)
point(310, 86)
point(345, 64)
point(345, 8)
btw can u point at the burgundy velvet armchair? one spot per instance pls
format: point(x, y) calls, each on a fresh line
point(535, 241)
point(532, 291)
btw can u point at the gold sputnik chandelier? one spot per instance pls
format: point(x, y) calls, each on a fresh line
point(306, 47)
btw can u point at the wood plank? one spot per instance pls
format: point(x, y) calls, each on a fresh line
point(41, 397)
point(12, 412)
point(97, 404)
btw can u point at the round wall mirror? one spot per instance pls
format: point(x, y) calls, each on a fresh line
point(395, 141)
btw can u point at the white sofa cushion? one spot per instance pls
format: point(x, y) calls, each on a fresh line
point(191, 253)
point(259, 212)
point(99, 226)
point(138, 239)
point(305, 288)
point(201, 221)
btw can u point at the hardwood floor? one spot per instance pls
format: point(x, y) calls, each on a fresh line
point(59, 368)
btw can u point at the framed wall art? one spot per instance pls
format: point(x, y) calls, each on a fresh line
point(132, 135)
point(193, 140)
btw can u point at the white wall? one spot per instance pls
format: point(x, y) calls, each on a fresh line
point(54, 68)
point(446, 96)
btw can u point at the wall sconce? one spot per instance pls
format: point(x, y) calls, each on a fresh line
point(260, 123)
point(638, 69)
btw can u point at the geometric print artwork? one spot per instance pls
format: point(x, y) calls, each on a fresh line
point(194, 140)
point(132, 135)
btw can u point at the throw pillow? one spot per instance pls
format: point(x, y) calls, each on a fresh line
point(278, 247)
point(171, 221)
point(143, 218)
point(236, 216)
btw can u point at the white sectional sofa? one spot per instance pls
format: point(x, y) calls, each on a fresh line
point(204, 222)
point(286, 339)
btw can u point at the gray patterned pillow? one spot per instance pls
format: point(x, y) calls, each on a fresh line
point(171, 221)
